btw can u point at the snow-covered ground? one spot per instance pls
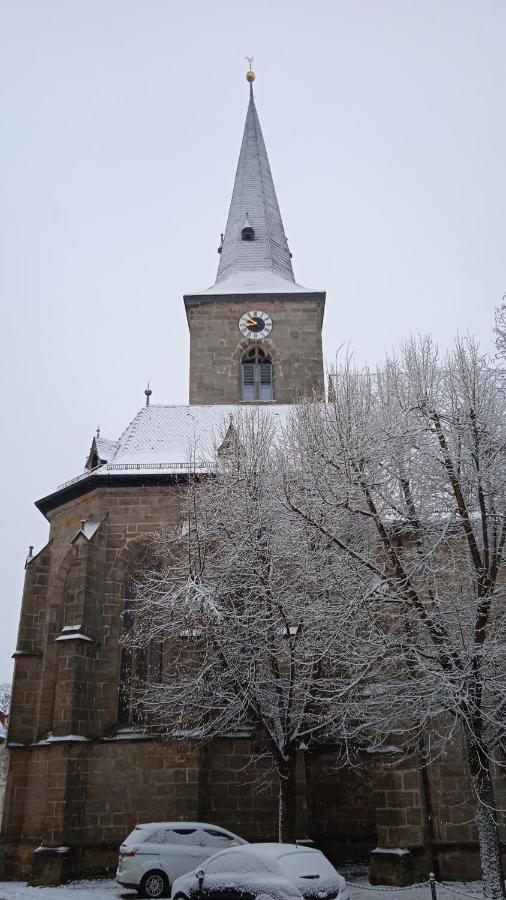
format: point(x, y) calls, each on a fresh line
point(105, 889)
point(360, 889)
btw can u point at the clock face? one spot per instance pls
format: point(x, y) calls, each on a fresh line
point(255, 325)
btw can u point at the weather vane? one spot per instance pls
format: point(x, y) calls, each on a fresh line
point(250, 75)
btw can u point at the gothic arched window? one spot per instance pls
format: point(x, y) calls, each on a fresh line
point(256, 376)
point(136, 664)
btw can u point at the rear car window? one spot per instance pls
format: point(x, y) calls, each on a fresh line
point(219, 839)
point(174, 836)
point(163, 836)
point(306, 863)
point(136, 836)
point(187, 836)
point(237, 862)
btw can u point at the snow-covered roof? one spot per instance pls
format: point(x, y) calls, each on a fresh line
point(259, 281)
point(101, 451)
point(254, 204)
point(105, 448)
point(172, 439)
point(181, 823)
point(88, 528)
point(262, 263)
point(273, 851)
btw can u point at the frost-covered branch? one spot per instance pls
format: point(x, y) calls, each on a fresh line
point(404, 473)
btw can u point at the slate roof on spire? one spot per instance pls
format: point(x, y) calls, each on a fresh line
point(259, 263)
point(254, 201)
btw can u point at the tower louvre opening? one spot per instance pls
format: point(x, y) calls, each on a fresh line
point(256, 376)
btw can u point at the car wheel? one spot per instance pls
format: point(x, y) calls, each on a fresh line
point(154, 884)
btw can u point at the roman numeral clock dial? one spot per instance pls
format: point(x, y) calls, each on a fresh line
point(255, 325)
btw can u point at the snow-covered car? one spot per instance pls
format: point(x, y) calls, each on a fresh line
point(156, 853)
point(262, 872)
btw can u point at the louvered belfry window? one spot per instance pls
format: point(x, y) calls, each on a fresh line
point(256, 376)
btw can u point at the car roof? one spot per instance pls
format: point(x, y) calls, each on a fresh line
point(270, 850)
point(180, 825)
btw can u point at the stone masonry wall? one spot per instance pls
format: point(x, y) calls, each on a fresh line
point(341, 814)
point(454, 830)
point(87, 793)
point(432, 814)
point(217, 346)
point(89, 797)
point(81, 583)
point(70, 687)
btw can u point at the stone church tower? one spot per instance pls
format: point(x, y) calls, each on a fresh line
point(82, 770)
point(256, 334)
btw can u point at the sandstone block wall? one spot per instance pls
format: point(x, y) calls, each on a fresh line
point(217, 346)
point(87, 794)
point(341, 813)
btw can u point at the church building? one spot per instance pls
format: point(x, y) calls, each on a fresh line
point(82, 771)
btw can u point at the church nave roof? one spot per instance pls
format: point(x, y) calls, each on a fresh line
point(166, 440)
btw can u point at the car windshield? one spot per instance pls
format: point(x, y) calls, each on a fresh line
point(306, 864)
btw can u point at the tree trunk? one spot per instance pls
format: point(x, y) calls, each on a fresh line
point(488, 835)
point(287, 799)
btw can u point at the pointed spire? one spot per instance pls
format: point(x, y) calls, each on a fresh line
point(255, 239)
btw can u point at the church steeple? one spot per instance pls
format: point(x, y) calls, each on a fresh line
point(255, 335)
point(254, 240)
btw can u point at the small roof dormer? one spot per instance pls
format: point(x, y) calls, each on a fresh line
point(101, 451)
point(247, 230)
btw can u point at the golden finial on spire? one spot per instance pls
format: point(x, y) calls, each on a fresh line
point(250, 75)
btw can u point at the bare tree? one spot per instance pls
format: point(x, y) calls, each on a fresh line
point(5, 702)
point(500, 329)
point(254, 615)
point(5, 698)
point(404, 474)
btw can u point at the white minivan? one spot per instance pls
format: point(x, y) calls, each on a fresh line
point(156, 853)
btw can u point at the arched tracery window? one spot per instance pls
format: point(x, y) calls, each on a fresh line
point(135, 665)
point(256, 376)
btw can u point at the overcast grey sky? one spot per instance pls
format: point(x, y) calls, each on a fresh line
point(121, 125)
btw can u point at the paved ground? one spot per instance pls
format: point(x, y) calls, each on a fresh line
point(360, 889)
